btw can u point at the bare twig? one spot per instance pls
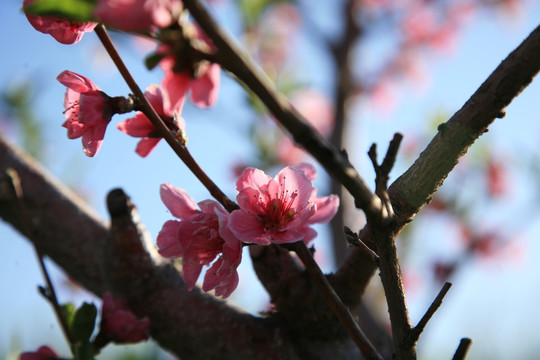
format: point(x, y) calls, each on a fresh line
point(416, 186)
point(390, 270)
point(17, 192)
point(353, 239)
point(463, 348)
point(335, 303)
point(179, 148)
point(417, 330)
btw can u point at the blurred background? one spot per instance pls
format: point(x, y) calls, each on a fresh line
point(412, 63)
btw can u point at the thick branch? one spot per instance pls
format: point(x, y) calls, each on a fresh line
point(67, 231)
point(416, 186)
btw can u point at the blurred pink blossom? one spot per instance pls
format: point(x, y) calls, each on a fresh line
point(204, 88)
point(43, 353)
point(137, 15)
point(202, 235)
point(64, 31)
point(280, 209)
point(88, 111)
point(140, 126)
point(119, 324)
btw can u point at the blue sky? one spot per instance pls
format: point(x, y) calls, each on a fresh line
point(217, 139)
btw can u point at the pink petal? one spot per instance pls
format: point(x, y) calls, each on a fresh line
point(252, 178)
point(248, 200)
point(137, 126)
point(327, 207)
point(76, 82)
point(176, 86)
point(190, 272)
point(167, 241)
point(309, 234)
point(179, 203)
point(289, 236)
point(246, 228)
point(308, 170)
point(145, 146)
point(291, 181)
point(93, 138)
point(204, 90)
point(155, 96)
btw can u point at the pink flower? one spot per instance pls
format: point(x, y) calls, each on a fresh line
point(88, 111)
point(201, 236)
point(43, 353)
point(137, 15)
point(140, 126)
point(64, 31)
point(280, 209)
point(204, 86)
point(119, 324)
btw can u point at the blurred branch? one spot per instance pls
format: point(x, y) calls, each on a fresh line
point(412, 190)
point(463, 348)
point(183, 321)
point(417, 330)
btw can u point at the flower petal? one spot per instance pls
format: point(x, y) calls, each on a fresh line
point(204, 90)
point(167, 240)
point(137, 126)
point(246, 228)
point(145, 146)
point(327, 207)
point(179, 203)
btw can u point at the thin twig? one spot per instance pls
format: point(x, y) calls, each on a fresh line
point(463, 348)
point(390, 270)
point(16, 188)
point(353, 239)
point(180, 149)
point(335, 303)
point(417, 330)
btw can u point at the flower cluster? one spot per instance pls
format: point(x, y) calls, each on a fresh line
point(272, 210)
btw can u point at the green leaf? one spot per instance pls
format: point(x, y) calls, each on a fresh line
point(152, 60)
point(68, 310)
point(73, 10)
point(83, 351)
point(83, 322)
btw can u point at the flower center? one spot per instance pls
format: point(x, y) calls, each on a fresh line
point(278, 212)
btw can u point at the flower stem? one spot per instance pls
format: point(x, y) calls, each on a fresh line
point(335, 303)
point(148, 110)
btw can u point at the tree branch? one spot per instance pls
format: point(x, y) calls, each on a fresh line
point(73, 236)
point(233, 59)
point(412, 190)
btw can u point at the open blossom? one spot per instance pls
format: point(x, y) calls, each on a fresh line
point(140, 126)
point(280, 209)
point(88, 111)
point(119, 324)
point(137, 15)
point(199, 238)
point(64, 31)
point(43, 353)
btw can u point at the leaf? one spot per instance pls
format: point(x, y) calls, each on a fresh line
point(152, 60)
point(73, 10)
point(83, 322)
point(68, 310)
